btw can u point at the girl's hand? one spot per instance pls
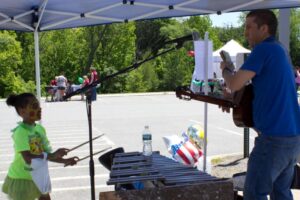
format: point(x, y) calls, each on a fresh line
point(61, 152)
point(71, 161)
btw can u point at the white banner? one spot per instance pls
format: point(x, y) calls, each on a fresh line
point(200, 63)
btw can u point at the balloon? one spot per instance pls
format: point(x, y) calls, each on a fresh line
point(191, 53)
point(80, 80)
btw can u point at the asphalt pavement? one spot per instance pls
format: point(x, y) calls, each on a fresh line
point(121, 118)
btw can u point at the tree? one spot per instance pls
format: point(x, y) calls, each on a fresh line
point(10, 61)
point(94, 37)
point(26, 71)
point(229, 32)
point(115, 52)
point(202, 25)
point(113, 47)
point(149, 37)
point(295, 37)
point(60, 52)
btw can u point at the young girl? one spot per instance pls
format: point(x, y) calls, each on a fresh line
point(30, 141)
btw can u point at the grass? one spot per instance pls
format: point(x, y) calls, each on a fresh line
point(216, 161)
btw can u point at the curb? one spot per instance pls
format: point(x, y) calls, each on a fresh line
point(120, 94)
point(221, 156)
point(226, 155)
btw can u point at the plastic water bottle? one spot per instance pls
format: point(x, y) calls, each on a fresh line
point(147, 142)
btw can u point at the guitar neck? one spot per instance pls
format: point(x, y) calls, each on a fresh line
point(213, 100)
point(241, 103)
point(204, 98)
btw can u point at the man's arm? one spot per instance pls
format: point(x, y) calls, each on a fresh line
point(235, 81)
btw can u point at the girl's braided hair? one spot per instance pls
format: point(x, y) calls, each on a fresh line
point(19, 101)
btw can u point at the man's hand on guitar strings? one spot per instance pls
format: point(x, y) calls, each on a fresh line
point(226, 95)
point(225, 109)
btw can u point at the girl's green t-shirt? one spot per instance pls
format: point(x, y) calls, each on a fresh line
point(27, 138)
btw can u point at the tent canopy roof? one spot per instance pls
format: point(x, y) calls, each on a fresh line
point(232, 47)
point(43, 15)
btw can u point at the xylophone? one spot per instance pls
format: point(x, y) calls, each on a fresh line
point(134, 167)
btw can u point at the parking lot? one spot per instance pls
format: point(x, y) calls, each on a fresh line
point(121, 118)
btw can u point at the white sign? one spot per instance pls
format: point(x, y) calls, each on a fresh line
point(200, 61)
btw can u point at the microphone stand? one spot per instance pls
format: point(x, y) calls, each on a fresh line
point(89, 106)
point(91, 162)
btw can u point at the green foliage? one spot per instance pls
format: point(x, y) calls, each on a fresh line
point(10, 52)
point(135, 82)
point(112, 48)
point(148, 36)
point(10, 59)
point(227, 33)
point(27, 71)
point(202, 25)
point(295, 37)
point(60, 53)
point(12, 83)
point(116, 52)
point(178, 70)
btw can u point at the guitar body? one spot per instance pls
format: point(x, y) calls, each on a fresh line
point(241, 103)
point(242, 113)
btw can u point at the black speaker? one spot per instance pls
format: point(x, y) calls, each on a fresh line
point(107, 159)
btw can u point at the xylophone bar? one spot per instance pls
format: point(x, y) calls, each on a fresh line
point(132, 179)
point(131, 167)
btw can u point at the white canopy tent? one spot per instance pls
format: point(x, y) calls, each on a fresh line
point(43, 15)
point(233, 48)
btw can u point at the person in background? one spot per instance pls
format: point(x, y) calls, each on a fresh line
point(53, 89)
point(61, 86)
point(94, 78)
point(297, 77)
point(30, 142)
point(86, 82)
point(271, 163)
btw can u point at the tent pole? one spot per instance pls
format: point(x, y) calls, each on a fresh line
point(284, 27)
point(37, 65)
point(205, 104)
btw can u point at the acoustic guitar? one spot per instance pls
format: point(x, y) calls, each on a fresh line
point(241, 103)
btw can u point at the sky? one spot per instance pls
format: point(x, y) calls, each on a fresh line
point(225, 19)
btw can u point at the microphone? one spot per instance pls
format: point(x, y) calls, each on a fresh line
point(179, 41)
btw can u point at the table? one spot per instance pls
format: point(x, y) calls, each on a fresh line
point(170, 179)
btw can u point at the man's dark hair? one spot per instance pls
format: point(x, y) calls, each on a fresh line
point(266, 17)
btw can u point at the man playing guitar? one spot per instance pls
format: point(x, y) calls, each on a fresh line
point(276, 113)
